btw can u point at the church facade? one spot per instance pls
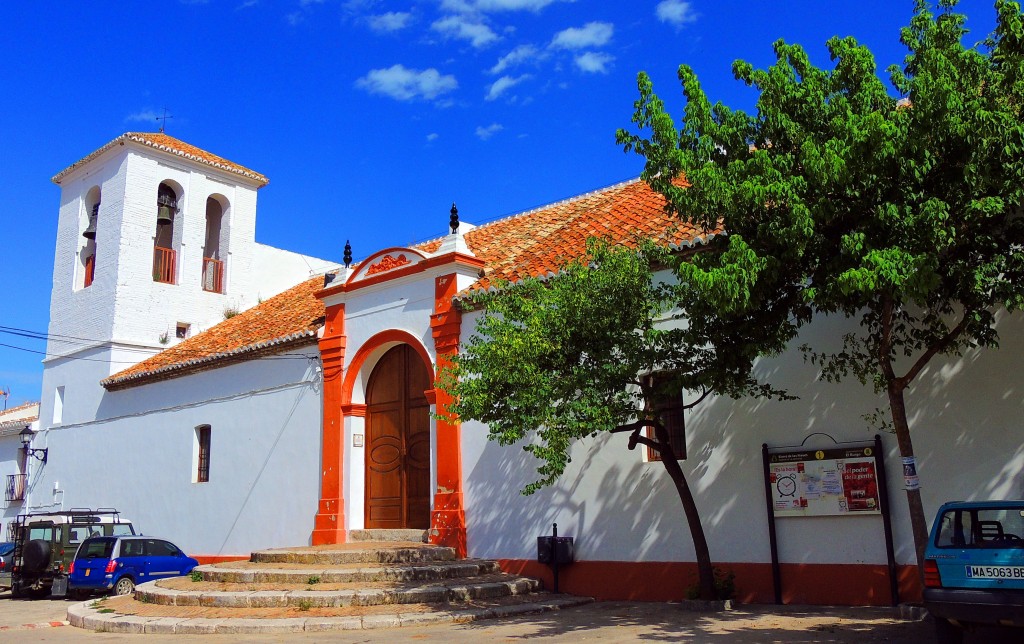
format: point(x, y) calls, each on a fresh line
point(311, 412)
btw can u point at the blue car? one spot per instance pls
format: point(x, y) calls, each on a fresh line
point(974, 567)
point(117, 564)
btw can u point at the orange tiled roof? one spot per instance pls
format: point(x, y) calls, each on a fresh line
point(539, 242)
point(535, 243)
point(16, 418)
point(165, 143)
point(286, 320)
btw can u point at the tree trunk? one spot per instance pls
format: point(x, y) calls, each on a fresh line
point(897, 406)
point(918, 523)
point(705, 571)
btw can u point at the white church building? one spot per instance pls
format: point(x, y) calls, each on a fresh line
point(230, 396)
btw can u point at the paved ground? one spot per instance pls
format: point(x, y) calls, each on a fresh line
point(30, 621)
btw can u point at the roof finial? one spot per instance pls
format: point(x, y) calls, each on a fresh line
point(348, 254)
point(163, 124)
point(453, 221)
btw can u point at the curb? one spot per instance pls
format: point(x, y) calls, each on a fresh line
point(34, 626)
point(82, 616)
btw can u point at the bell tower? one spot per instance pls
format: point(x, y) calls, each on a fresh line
point(155, 242)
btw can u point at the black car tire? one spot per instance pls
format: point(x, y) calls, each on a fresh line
point(124, 586)
point(36, 556)
point(946, 632)
point(16, 592)
point(38, 593)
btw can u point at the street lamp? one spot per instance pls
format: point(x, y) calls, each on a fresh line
point(26, 436)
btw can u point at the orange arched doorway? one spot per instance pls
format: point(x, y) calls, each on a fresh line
point(398, 442)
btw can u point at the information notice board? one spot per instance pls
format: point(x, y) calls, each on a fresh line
point(824, 482)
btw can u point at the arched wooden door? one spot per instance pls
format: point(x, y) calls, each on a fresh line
point(398, 442)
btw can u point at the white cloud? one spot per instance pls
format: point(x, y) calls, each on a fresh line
point(592, 34)
point(521, 54)
point(675, 12)
point(390, 21)
point(594, 62)
point(493, 6)
point(487, 132)
point(465, 28)
point(403, 84)
point(433, 136)
point(144, 116)
point(501, 85)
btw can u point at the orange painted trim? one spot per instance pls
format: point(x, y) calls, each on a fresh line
point(431, 262)
point(815, 584)
point(329, 522)
point(372, 344)
point(448, 520)
point(369, 262)
point(212, 559)
point(354, 409)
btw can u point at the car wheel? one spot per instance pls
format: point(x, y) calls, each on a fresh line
point(16, 591)
point(38, 593)
point(37, 555)
point(124, 586)
point(946, 632)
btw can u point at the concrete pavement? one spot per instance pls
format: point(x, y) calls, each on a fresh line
point(24, 621)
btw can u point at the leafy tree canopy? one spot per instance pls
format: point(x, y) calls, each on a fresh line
point(902, 213)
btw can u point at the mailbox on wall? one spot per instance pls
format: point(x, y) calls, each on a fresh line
point(555, 551)
point(560, 550)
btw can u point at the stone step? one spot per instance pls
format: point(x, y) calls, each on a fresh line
point(384, 553)
point(417, 536)
point(182, 591)
point(247, 572)
point(128, 615)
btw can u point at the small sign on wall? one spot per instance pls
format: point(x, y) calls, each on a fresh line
point(357, 440)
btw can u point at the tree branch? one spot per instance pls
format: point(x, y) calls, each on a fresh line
point(704, 394)
point(938, 347)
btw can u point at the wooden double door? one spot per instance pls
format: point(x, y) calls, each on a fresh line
point(398, 442)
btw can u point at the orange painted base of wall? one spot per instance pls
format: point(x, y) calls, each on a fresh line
point(212, 559)
point(821, 584)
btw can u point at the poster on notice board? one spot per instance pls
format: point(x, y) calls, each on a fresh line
point(842, 481)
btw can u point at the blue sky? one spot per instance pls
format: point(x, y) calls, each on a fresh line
point(370, 118)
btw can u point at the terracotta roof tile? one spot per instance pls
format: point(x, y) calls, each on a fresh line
point(534, 243)
point(165, 143)
point(15, 419)
point(539, 242)
point(288, 319)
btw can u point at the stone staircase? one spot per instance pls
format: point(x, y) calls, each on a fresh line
point(379, 579)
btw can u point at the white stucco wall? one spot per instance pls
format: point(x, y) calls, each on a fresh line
point(138, 456)
point(965, 420)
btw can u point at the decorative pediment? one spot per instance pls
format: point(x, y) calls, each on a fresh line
point(390, 260)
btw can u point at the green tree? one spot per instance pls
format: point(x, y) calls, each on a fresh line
point(555, 361)
point(902, 214)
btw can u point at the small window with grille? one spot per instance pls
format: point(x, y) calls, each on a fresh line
point(202, 462)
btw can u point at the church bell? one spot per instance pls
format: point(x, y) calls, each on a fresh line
point(90, 231)
point(165, 210)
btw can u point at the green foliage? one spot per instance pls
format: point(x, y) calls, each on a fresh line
point(196, 575)
point(907, 216)
point(313, 580)
point(305, 604)
point(553, 361)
